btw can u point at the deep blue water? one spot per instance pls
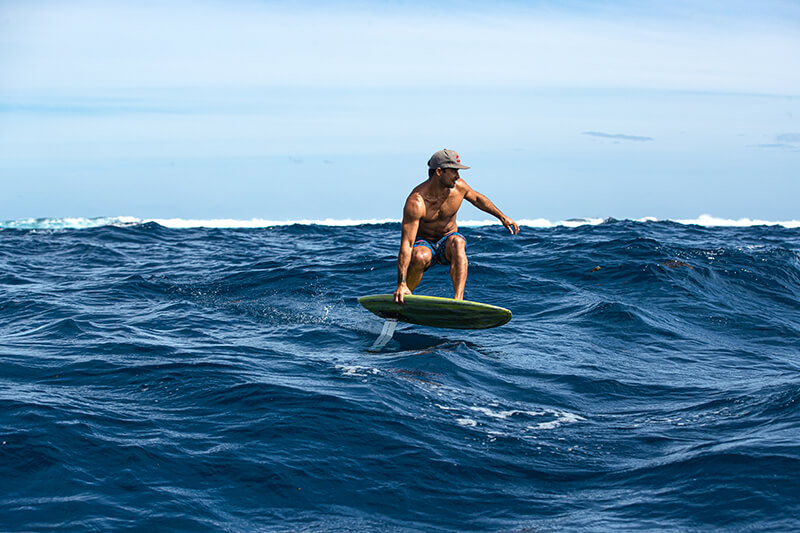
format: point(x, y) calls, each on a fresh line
point(219, 380)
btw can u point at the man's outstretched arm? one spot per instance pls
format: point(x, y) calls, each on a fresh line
point(484, 204)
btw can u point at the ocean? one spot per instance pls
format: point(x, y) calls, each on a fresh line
point(171, 376)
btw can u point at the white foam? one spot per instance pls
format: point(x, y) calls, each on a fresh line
point(503, 414)
point(511, 418)
point(711, 221)
point(355, 370)
point(184, 223)
point(562, 417)
point(180, 223)
point(569, 223)
point(68, 222)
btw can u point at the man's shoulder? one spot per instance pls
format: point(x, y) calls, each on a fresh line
point(463, 189)
point(462, 186)
point(416, 194)
point(415, 204)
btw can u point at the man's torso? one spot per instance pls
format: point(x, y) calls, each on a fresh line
point(439, 217)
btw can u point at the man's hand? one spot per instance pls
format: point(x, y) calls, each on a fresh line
point(402, 291)
point(510, 225)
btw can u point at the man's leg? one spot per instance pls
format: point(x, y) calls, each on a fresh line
point(456, 254)
point(421, 257)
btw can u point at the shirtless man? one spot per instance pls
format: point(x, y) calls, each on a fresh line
point(430, 233)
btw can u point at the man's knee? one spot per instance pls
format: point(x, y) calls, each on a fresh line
point(456, 247)
point(421, 256)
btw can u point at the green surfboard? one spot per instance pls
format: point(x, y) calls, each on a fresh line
point(437, 312)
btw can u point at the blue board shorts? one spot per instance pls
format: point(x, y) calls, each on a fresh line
point(439, 247)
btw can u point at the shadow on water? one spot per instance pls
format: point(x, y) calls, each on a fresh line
point(403, 341)
point(413, 341)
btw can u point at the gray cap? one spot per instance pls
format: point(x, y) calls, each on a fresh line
point(445, 159)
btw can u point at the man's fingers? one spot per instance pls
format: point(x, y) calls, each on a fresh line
point(513, 227)
point(398, 298)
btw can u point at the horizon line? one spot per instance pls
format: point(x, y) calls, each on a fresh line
point(45, 223)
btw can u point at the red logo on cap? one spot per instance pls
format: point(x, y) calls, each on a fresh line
point(458, 159)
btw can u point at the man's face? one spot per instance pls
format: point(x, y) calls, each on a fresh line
point(449, 177)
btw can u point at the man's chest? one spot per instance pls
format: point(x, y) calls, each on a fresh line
point(442, 209)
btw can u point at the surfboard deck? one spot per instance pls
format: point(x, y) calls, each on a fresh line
point(437, 312)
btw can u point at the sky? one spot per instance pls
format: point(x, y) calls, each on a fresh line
point(247, 109)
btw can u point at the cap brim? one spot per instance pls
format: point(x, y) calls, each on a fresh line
point(453, 165)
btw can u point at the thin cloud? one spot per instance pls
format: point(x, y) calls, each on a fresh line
point(774, 145)
point(784, 141)
point(788, 138)
point(617, 136)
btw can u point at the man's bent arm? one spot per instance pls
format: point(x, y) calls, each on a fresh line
point(411, 217)
point(403, 259)
point(484, 204)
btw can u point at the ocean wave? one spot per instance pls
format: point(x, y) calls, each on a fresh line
point(254, 223)
point(221, 379)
